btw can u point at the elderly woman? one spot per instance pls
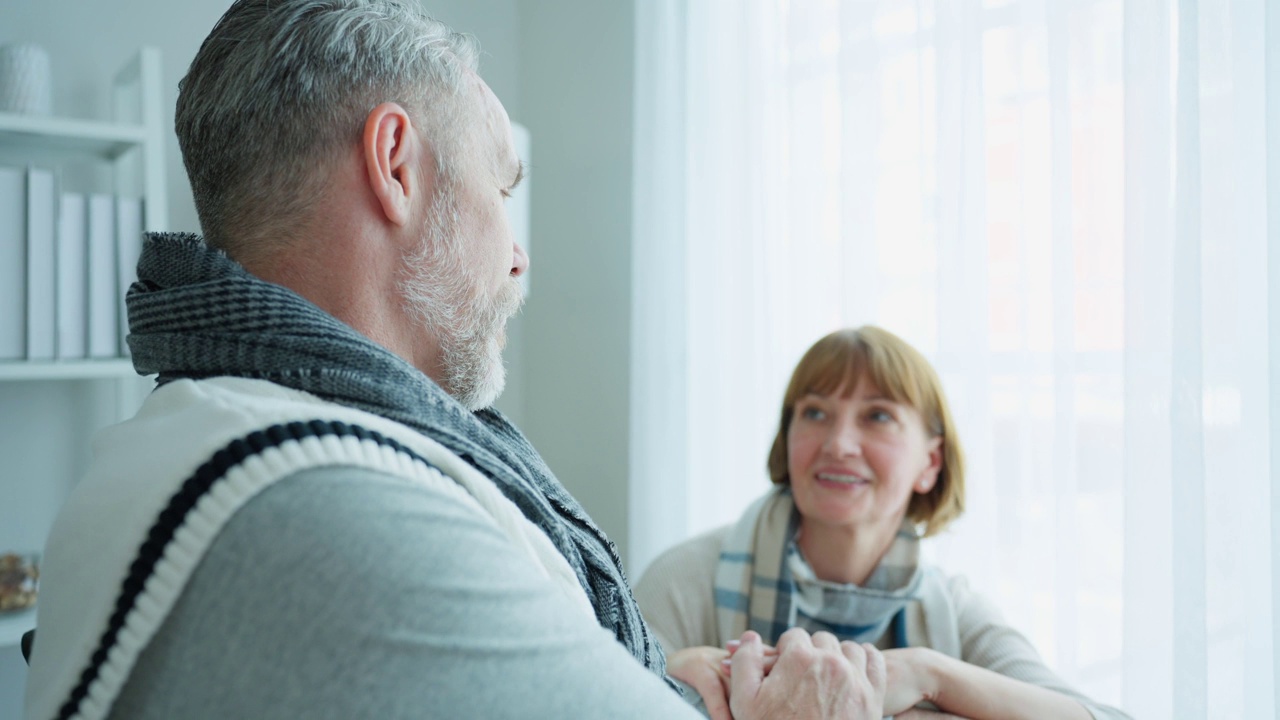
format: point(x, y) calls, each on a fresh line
point(866, 462)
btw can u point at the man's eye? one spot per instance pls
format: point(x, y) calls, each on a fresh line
point(880, 416)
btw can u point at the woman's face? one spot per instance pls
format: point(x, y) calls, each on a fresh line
point(856, 460)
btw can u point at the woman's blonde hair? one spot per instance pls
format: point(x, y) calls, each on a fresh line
point(902, 374)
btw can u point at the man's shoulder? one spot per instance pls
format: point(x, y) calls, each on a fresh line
point(354, 511)
point(343, 572)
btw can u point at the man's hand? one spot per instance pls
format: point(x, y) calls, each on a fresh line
point(814, 678)
point(701, 667)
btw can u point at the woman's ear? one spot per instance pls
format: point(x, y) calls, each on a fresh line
point(929, 475)
point(394, 155)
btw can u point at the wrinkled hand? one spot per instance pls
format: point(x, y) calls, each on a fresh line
point(814, 678)
point(701, 667)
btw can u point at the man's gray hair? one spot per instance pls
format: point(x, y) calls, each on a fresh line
point(280, 87)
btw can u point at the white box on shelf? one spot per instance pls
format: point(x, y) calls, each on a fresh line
point(103, 313)
point(41, 271)
point(128, 248)
point(73, 277)
point(13, 263)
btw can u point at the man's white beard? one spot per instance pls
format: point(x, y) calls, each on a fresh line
point(469, 327)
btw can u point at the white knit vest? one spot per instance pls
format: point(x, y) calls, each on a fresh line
point(164, 483)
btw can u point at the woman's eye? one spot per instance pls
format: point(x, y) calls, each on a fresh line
point(812, 413)
point(880, 416)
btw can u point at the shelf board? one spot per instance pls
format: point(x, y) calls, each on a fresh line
point(66, 369)
point(13, 624)
point(39, 138)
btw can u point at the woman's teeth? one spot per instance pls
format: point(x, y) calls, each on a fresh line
point(846, 479)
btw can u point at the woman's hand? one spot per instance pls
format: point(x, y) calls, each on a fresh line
point(920, 714)
point(911, 680)
point(702, 668)
point(968, 691)
point(770, 656)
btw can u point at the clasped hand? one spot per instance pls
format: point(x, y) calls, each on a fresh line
point(803, 677)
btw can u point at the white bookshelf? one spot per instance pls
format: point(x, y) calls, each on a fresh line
point(50, 140)
point(49, 410)
point(118, 369)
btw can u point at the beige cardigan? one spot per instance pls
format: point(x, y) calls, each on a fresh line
point(677, 596)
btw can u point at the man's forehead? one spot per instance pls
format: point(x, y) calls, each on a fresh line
point(500, 130)
point(490, 107)
point(493, 121)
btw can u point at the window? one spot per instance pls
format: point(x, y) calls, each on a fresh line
point(1071, 208)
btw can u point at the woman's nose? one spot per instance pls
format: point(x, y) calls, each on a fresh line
point(843, 439)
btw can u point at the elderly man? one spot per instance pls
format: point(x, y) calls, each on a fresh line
point(316, 514)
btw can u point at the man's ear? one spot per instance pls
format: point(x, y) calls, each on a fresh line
point(393, 155)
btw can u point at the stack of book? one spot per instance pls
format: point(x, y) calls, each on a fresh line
point(66, 260)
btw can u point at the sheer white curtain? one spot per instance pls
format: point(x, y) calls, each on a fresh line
point(1072, 207)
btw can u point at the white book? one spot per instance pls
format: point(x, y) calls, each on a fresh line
point(128, 248)
point(13, 263)
point(41, 272)
point(104, 337)
point(73, 277)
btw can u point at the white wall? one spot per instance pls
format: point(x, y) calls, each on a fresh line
point(576, 86)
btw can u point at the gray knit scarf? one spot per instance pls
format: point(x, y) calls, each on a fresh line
point(195, 313)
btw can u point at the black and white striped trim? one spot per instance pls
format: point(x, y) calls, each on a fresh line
point(192, 519)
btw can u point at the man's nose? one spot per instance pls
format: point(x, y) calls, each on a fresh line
point(519, 260)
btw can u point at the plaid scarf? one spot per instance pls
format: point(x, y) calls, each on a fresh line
point(763, 583)
point(195, 313)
